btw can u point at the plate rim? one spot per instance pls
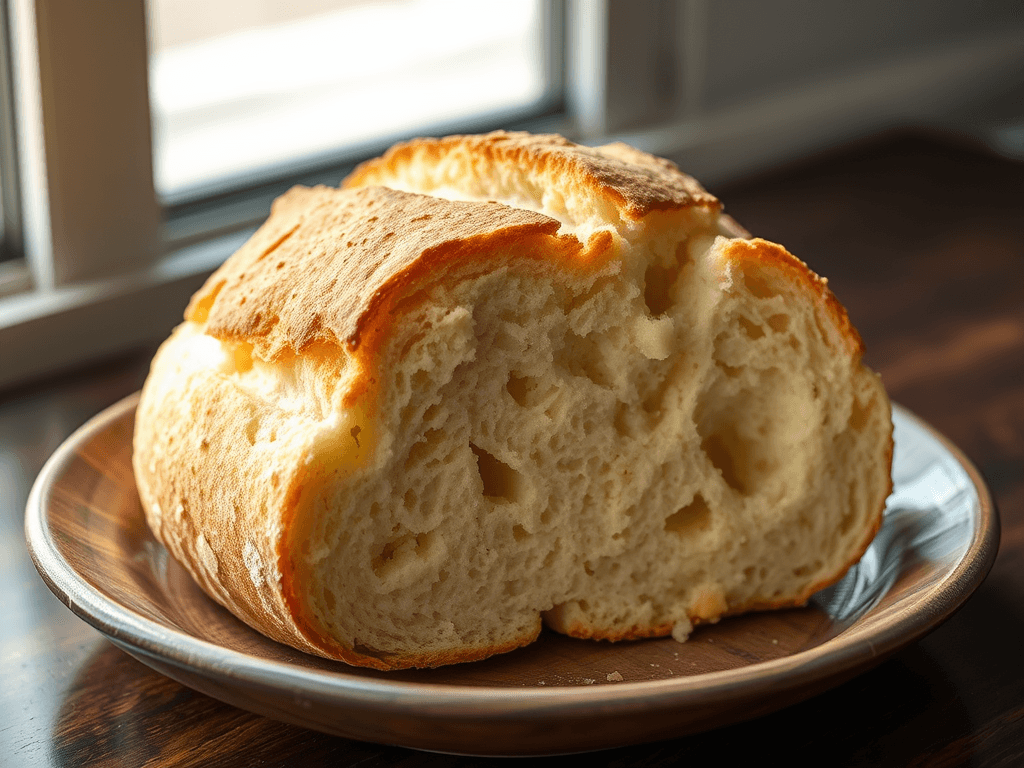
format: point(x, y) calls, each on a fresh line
point(844, 653)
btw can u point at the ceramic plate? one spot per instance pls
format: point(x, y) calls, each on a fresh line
point(89, 540)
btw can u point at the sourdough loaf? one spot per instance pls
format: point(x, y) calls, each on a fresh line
point(506, 380)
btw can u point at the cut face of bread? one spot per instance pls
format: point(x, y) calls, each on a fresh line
point(504, 381)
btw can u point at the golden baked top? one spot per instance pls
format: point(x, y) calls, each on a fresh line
point(326, 259)
point(635, 182)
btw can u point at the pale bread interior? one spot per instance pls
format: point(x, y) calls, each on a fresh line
point(619, 470)
point(622, 455)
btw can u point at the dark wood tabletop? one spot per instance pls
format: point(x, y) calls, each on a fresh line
point(922, 239)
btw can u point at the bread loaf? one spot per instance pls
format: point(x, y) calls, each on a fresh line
point(503, 381)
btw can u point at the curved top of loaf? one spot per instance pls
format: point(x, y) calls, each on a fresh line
point(327, 263)
point(546, 173)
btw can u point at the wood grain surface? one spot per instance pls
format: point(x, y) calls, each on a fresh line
point(924, 243)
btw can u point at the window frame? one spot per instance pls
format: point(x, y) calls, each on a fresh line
point(102, 273)
point(10, 199)
point(104, 268)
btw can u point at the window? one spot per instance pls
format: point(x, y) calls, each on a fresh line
point(10, 219)
point(246, 88)
point(131, 182)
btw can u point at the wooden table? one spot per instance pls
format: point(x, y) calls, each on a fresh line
point(923, 242)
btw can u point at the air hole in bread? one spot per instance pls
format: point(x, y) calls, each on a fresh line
point(582, 357)
point(654, 403)
point(753, 330)
point(424, 449)
point(509, 337)
point(779, 323)
point(519, 533)
point(425, 543)
point(397, 553)
point(252, 428)
point(577, 305)
point(432, 412)
point(658, 284)
point(382, 560)
point(420, 381)
point(501, 482)
point(520, 388)
point(691, 519)
point(529, 391)
point(330, 600)
point(368, 650)
point(729, 371)
point(729, 455)
point(753, 436)
point(412, 341)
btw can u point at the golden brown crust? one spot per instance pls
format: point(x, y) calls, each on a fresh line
point(326, 260)
point(636, 182)
point(751, 255)
point(188, 432)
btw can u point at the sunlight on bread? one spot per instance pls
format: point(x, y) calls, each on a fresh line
point(503, 381)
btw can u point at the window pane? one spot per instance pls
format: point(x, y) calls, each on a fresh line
point(243, 85)
point(9, 209)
